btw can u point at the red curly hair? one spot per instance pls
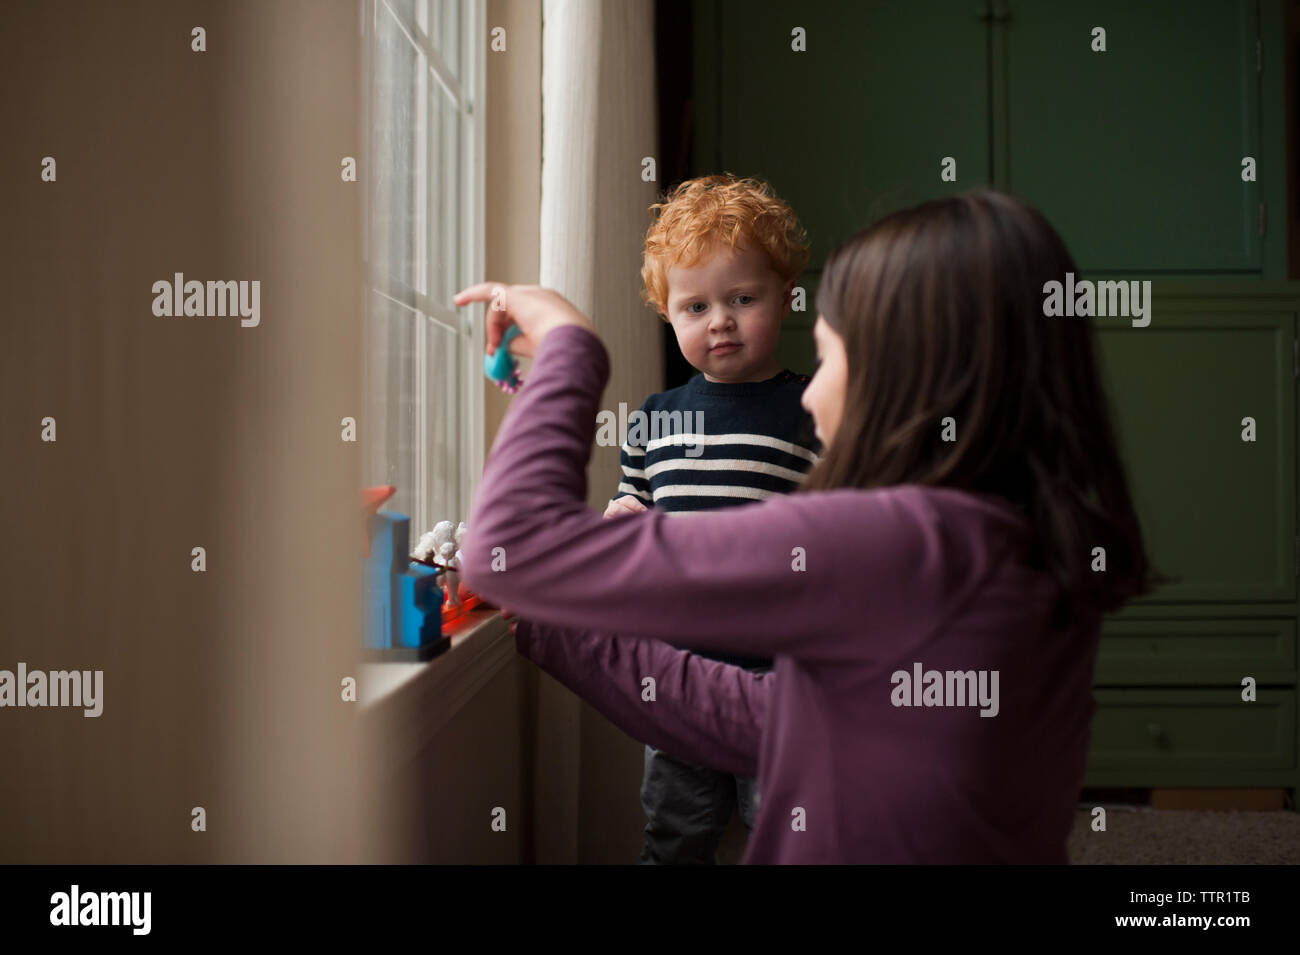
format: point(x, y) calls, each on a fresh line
point(703, 214)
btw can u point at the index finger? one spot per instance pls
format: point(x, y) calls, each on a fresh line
point(482, 292)
point(498, 317)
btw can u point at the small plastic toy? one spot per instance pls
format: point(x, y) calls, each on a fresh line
point(372, 498)
point(403, 602)
point(502, 367)
point(440, 549)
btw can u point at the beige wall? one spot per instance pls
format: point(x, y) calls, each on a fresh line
point(611, 819)
point(221, 689)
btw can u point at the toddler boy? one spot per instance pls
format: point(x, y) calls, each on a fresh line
point(721, 259)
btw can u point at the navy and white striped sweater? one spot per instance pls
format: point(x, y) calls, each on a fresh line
point(709, 444)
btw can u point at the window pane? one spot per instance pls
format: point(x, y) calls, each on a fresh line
point(390, 427)
point(398, 217)
point(445, 416)
point(447, 16)
point(394, 453)
point(415, 429)
point(444, 199)
point(406, 9)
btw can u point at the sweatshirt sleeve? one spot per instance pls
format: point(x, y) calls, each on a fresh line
point(702, 711)
point(780, 576)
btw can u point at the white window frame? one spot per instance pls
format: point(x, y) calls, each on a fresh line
point(467, 95)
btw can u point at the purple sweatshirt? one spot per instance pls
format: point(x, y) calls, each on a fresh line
point(922, 709)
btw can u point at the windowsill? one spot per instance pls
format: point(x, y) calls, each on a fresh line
point(415, 700)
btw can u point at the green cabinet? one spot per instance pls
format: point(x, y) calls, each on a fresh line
point(1135, 154)
point(857, 123)
point(1218, 511)
point(1197, 652)
point(1218, 363)
point(1193, 737)
point(1170, 707)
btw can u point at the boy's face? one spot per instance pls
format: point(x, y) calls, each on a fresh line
point(727, 312)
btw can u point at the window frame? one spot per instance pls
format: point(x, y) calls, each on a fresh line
point(466, 95)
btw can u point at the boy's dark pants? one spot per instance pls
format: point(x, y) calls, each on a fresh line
point(687, 807)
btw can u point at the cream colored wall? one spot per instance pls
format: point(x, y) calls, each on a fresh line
point(454, 776)
point(610, 815)
point(222, 688)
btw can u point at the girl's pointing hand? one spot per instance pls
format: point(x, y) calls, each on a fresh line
point(534, 309)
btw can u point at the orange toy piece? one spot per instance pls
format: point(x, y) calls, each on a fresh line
point(372, 498)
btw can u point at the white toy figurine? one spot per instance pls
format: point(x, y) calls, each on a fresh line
point(424, 548)
point(442, 532)
point(441, 547)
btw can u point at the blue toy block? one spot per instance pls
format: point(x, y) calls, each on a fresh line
point(412, 594)
point(403, 600)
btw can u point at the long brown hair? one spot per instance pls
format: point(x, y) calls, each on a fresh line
point(940, 308)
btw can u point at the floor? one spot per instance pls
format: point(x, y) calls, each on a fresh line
point(1141, 836)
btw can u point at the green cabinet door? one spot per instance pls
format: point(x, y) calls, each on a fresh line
point(858, 123)
point(1204, 651)
point(1216, 510)
point(1135, 154)
point(1192, 737)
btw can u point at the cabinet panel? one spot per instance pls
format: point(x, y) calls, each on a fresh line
point(1217, 511)
point(1191, 730)
point(857, 125)
point(1134, 154)
point(1204, 652)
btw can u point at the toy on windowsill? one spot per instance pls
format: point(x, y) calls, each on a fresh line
point(372, 499)
point(440, 548)
point(403, 602)
point(502, 367)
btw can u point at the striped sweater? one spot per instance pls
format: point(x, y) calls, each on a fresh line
point(708, 445)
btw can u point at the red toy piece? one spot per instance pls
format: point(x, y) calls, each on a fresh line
point(372, 498)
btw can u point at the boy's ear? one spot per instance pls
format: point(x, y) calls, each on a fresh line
point(789, 297)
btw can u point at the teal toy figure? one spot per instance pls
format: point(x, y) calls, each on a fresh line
point(502, 367)
point(403, 600)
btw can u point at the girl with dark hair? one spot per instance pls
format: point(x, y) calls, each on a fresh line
point(929, 596)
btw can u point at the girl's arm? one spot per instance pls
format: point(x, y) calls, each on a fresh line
point(789, 575)
point(699, 710)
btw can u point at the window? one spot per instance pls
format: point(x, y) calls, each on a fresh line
point(422, 428)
